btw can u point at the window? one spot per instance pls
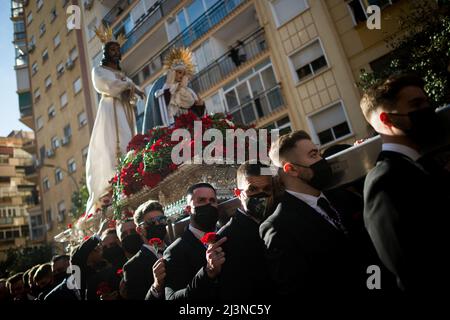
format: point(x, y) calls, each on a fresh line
point(60, 69)
point(214, 104)
point(39, 4)
point(61, 210)
point(58, 175)
point(358, 8)
point(46, 184)
point(82, 120)
point(48, 214)
point(32, 41)
point(285, 10)
point(330, 124)
point(41, 29)
point(91, 28)
point(51, 112)
point(71, 165)
point(283, 125)
point(77, 86)
point(44, 56)
point(55, 142)
point(53, 14)
point(308, 61)
point(48, 82)
point(203, 56)
point(56, 41)
point(73, 54)
point(34, 68)
point(67, 131)
point(29, 18)
point(63, 100)
point(39, 123)
point(37, 95)
point(84, 154)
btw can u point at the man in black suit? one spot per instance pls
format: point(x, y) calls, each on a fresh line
point(191, 276)
point(406, 212)
point(310, 235)
point(144, 273)
point(245, 276)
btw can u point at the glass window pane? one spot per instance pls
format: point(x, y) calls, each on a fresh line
point(237, 118)
point(195, 10)
point(248, 113)
point(231, 99)
point(256, 85)
point(341, 130)
point(268, 78)
point(242, 92)
point(325, 136)
point(181, 20)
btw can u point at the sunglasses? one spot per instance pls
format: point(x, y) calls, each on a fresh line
point(159, 219)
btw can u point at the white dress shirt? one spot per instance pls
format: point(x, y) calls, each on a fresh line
point(312, 202)
point(197, 233)
point(400, 148)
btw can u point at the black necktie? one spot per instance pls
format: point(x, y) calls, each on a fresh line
point(323, 204)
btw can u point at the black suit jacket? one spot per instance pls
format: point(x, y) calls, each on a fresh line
point(406, 215)
point(138, 274)
point(186, 276)
point(62, 293)
point(307, 255)
point(244, 275)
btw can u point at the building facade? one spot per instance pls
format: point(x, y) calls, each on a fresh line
point(21, 221)
point(55, 101)
point(286, 64)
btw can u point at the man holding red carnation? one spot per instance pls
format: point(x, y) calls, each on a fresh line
point(144, 273)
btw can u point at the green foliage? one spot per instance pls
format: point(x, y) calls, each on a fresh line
point(79, 200)
point(421, 46)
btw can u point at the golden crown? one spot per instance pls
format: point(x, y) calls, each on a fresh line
point(180, 57)
point(105, 34)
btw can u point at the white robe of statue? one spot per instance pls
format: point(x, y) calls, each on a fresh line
point(102, 153)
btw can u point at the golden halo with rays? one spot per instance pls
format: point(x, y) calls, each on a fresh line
point(105, 34)
point(180, 57)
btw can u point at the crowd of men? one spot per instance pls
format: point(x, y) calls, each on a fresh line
point(290, 237)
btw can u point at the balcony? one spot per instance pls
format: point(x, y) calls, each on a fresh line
point(197, 29)
point(259, 106)
point(116, 11)
point(252, 46)
point(17, 10)
point(147, 22)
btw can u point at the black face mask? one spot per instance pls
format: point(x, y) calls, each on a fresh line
point(425, 127)
point(132, 243)
point(156, 231)
point(59, 277)
point(322, 174)
point(257, 205)
point(114, 254)
point(206, 217)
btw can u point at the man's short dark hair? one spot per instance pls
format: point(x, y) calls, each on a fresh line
point(33, 272)
point(385, 93)
point(60, 257)
point(248, 169)
point(284, 144)
point(14, 279)
point(143, 209)
point(191, 189)
point(43, 271)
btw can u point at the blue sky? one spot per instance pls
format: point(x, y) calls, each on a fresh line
point(9, 105)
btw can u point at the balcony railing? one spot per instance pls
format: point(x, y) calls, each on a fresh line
point(259, 106)
point(147, 22)
point(17, 9)
point(26, 111)
point(198, 28)
point(219, 69)
point(116, 11)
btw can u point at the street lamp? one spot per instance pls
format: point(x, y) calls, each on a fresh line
point(47, 165)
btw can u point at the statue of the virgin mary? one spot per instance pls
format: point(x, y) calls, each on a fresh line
point(115, 122)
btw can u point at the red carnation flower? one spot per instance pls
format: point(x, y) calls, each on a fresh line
point(89, 215)
point(119, 272)
point(156, 243)
point(103, 288)
point(85, 238)
point(172, 167)
point(209, 238)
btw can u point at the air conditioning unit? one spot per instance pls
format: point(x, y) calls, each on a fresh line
point(31, 47)
point(69, 64)
point(88, 4)
point(50, 153)
point(65, 140)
